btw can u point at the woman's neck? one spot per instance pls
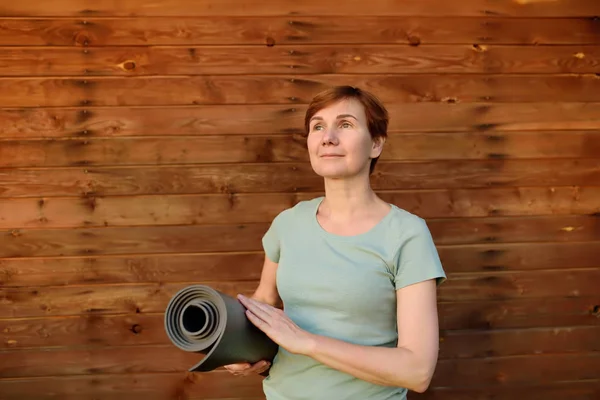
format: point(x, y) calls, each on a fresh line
point(348, 198)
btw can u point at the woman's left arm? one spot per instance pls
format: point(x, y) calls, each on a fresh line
point(410, 365)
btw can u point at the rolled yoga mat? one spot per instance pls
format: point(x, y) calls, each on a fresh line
point(203, 320)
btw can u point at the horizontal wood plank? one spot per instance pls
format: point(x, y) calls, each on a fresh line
point(153, 297)
point(220, 267)
point(301, 59)
point(250, 149)
point(519, 256)
point(165, 358)
point(520, 313)
point(155, 386)
point(292, 89)
point(459, 288)
point(574, 390)
point(247, 237)
point(523, 370)
point(170, 8)
point(74, 212)
point(511, 342)
point(530, 284)
point(91, 300)
point(220, 385)
point(213, 120)
point(24, 272)
point(142, 240)
point(295, 29)
point(291, 177)
point(86, 331)
point(104, 360)
point(287, 119)
point(136, 330)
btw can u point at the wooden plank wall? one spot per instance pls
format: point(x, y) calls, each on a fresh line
point(145, 146)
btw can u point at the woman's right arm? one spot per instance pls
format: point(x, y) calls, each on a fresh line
point(266, 292)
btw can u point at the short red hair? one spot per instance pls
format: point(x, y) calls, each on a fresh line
point(375, 111)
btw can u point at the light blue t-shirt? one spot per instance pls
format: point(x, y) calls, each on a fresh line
point(343, 287)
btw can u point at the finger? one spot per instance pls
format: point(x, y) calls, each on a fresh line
point(264, 314)
point(238, 367)
point(257, 321)
point(260, 371)
point(261, 309)
point(259, 367)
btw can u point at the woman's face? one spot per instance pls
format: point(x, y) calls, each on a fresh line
point(339, 142)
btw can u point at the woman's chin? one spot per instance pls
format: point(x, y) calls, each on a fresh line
point(335, 173)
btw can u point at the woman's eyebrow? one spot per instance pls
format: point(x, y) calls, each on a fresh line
point(338, 117)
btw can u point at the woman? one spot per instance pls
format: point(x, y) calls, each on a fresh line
point(357, 276)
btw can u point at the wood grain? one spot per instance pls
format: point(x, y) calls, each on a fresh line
point(139, 240)
point(517, 370)
point(247, 237)
point(291, 177)
point(92, 301)
point(251, 149)
point(90, 330)
point(222, 267)
point(219, 385)
point(520, 313)
point(171, 8)
point(287, 119)
point(301, 59)
point(74, 212)
point(104, 360)
point(167, 358)
point(530, 284)
point(280, 30)
point(240, 266)
point(511, 342)
point(136, 330)
point(519, 256)
point(101, 299)
point(576, 390)
point(155, 386)
point(293, 89)
point(153, 297)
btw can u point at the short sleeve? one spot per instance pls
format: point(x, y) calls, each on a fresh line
point(271, 241)
point(417, 259)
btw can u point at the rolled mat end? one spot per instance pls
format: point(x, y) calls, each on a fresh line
point(203, 320)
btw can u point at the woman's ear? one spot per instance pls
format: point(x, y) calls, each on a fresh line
point(378, 143)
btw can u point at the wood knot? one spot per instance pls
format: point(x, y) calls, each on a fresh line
point(82, 39)
point(479, 48)
point(270, 41)
point(414, 40)
point(128, 65)
point(451, 100)
point(136, 329)
point(596, 310)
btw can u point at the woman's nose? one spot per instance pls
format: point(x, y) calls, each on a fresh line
point(330, 137)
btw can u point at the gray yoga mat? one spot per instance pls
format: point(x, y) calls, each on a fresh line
point(201, 319)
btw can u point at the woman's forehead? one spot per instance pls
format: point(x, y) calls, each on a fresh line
point(342, 108)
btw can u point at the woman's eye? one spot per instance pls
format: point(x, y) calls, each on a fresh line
point(317, 127)
point(346, 125)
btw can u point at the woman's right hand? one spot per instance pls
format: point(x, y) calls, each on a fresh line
point(245, 369)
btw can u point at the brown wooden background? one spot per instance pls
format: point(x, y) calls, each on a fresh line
point(146, 145)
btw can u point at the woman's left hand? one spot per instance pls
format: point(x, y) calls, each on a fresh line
point(278, 326)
